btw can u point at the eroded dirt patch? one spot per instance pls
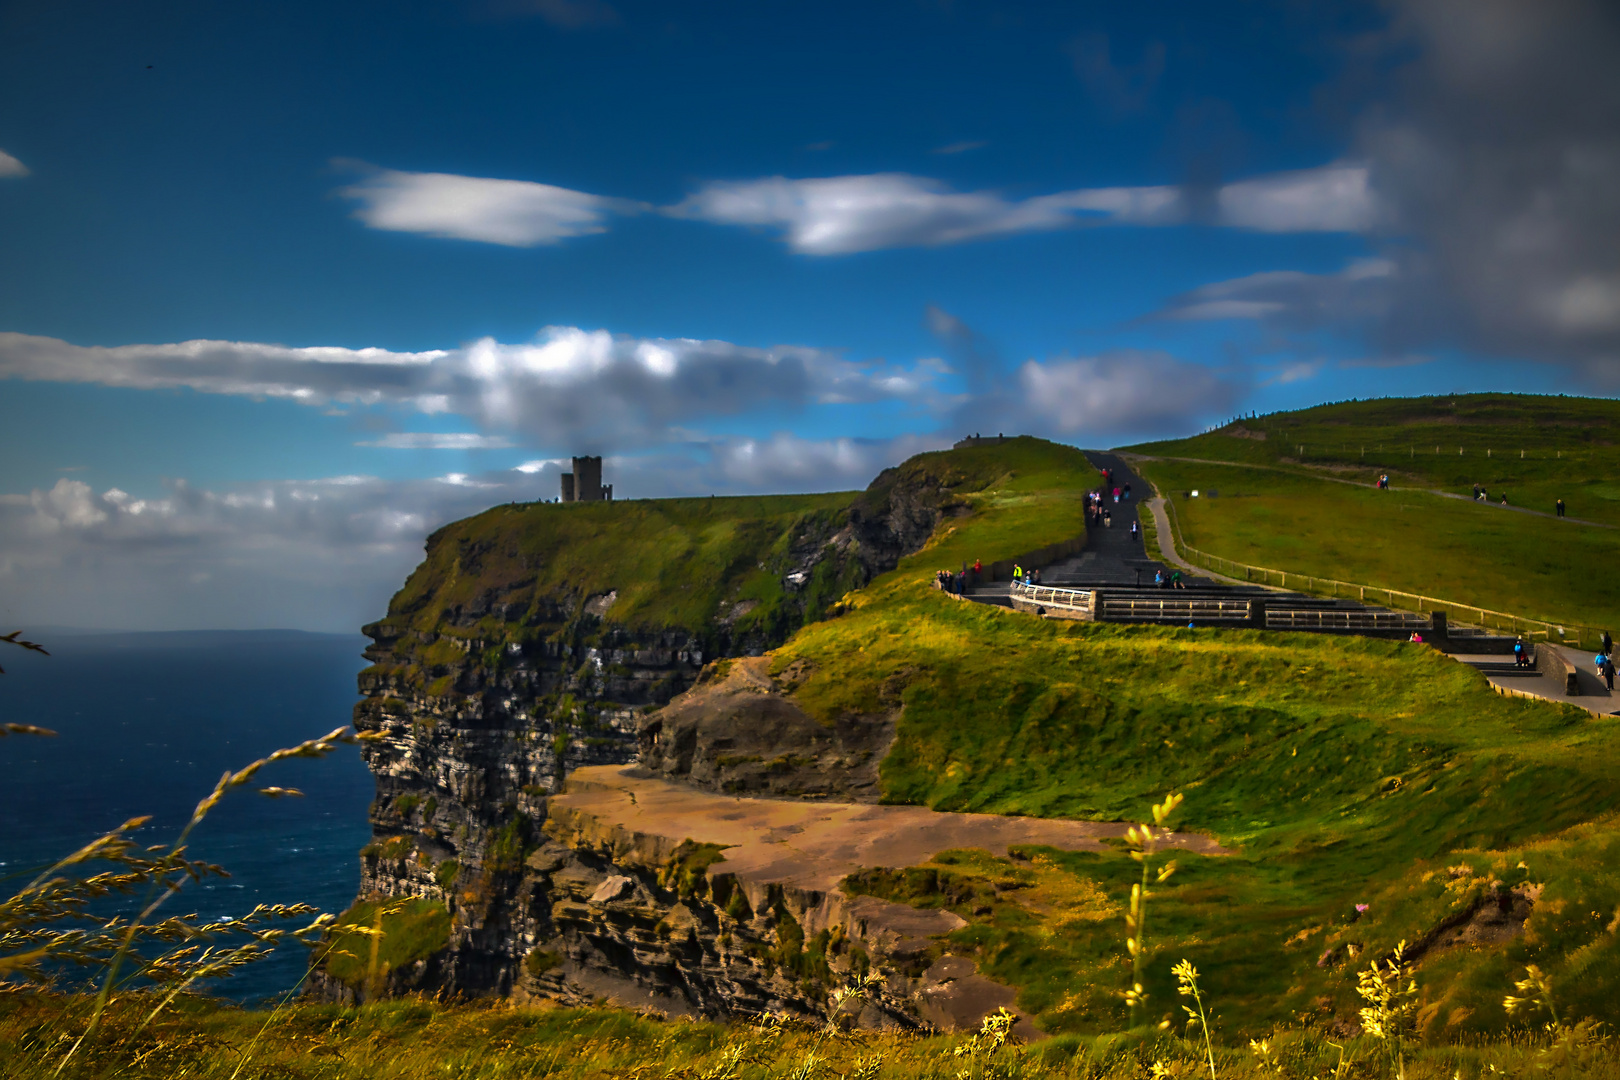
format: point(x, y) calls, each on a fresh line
point(738, 732)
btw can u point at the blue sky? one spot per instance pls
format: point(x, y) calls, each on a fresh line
point(283, 288)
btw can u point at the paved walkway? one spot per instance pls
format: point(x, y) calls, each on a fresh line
point(1111, 550)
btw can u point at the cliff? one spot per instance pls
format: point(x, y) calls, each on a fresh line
point(533, 639)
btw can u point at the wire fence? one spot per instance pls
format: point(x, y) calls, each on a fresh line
point(1457, 613)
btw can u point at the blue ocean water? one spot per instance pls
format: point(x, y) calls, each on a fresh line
point(147, 723)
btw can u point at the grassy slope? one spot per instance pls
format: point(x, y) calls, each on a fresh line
point(1341, 770)
point(1571, 446)
point(415, 1040)
point(1286, 515)
point(1480, 555)
point(672, 561)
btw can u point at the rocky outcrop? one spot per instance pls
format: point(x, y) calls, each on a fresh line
point(499, 669)
point(739, 732)
point(656, 893)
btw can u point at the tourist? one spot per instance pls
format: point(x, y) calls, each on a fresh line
point(978, 571)
point(1127, 491)
point(1018, 574)
point(1108, 519)
point(1416, 638)
point(1175, 580)
point(1135, 532)
point(1559, 506)
point(1608, 671)
point(1504, 498)
point(1518, 653)
point(1608, 644)
point(1158, 579)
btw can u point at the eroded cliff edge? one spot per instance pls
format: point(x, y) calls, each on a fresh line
point(532, 640)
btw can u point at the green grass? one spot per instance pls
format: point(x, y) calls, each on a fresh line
point(1571, 446)
point(671, 561)
point(518, 573)
point(1339, 770)
point(416, 1040)
point(416, 931)
point(1281, 504)
point(1478, 555)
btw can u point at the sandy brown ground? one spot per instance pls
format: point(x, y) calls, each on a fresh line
point(813, 844)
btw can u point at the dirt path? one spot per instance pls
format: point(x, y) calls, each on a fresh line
point(813, 845)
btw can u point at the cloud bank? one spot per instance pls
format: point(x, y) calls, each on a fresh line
point(326, 554)
point(590, 389)
point(842, 215)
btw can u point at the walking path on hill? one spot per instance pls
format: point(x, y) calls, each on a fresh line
point(811, 845)
point(1363, 484)
point(1594, 696)
point(1114, 548)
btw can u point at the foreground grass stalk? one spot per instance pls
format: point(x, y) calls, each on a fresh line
point(30, 920)
point(1391, 996)
point(1187, 986)
point(1145, 840)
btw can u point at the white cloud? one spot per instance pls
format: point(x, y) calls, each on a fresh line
point(961, 147)
point(68, 505)
point(844, 214)
point(515, 213)
point(1125, 391)
point(840, 215)
point(1296, 371)
point(579, 386)
point(1336, 198)
point(786, 462)
point(10, 166)
point(438, 440)
point(1363, 290)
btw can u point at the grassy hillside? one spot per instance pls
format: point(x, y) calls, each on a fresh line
point(1339, 770)
point(1570, 446)
point(671, 561)
point(1368, 791)
point(1402, 539)
point(1278, 508)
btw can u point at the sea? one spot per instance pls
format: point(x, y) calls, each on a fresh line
point(146, 723)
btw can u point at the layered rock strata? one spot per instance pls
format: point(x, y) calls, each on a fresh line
point(495, 674)
point(693, 902)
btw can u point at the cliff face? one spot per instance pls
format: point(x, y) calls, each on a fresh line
point(533, 640)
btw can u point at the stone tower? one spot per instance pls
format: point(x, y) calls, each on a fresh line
point(584, 484)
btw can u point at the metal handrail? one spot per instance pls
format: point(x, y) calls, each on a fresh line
point(1053, 596)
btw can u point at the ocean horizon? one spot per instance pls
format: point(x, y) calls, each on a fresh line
point(147, 722)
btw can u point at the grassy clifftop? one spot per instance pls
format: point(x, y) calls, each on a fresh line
point(732, 573)
point(1535, 448)
point(1281, 499)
